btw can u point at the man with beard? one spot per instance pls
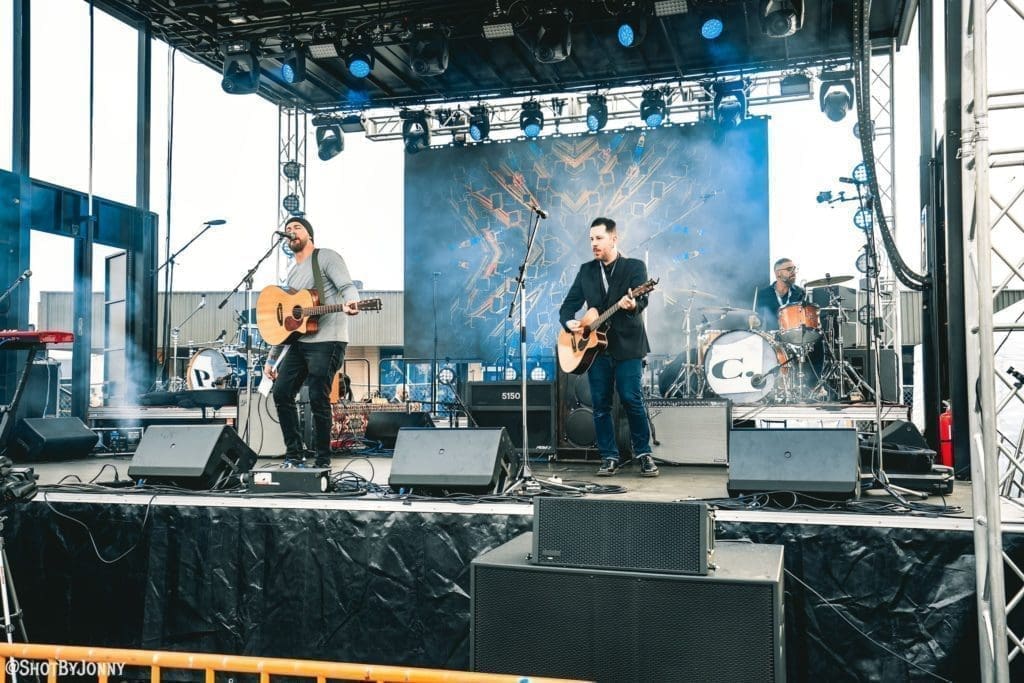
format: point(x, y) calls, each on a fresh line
point(314, 358)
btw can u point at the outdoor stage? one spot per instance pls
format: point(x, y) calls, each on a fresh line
point(387, 580)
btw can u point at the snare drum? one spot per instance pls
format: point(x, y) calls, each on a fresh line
point(208, 369)
point(743, 365)
point(798, 323)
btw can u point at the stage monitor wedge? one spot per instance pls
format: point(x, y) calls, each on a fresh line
point(823, 463)
point(199, 457)
point(51, 438)
point(451, 460)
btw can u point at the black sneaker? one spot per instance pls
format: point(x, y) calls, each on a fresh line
point(647, 466)
point(323, 462)
point(609, 466)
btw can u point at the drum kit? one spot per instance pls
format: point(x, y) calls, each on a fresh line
point(220, 365)
point(734, 359)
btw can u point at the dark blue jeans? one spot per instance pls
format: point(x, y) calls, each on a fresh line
point(316, 364)
point(606, 375)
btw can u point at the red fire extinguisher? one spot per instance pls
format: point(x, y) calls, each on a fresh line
point(946, 437)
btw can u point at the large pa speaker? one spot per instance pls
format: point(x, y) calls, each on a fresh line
point(384, 426)
point(617, 534)
point(609, 625)
point(690, 432)
point(190, 456)
point(577, 438)
point(820, 462)
point(499, 404)
point(445, 460)
point(52, 438)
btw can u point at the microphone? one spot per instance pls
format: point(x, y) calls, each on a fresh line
point(539, 211)
point(851, 181)
point(24, 276)
point(216, 221)
point(202, 301)
point(287, 235)
point(223, 333)
point(758, 381)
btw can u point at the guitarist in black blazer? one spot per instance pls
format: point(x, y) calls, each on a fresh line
point(600, 284)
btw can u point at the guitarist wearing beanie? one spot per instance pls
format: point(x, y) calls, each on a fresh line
point(603, 283)
point(315, 357)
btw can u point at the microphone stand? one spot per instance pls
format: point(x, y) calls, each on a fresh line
point(525, 480)
point(433, 363)
point(247, 281)
point(14, 285)
point(169, 286)
point(176, 383)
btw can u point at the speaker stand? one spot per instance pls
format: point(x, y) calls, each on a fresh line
point(10, 598)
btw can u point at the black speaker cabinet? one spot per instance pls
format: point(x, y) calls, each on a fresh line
point(574, 414)
point(52, 438)
point(499, 404)
point(384, 426)
point(820, 462)
point(864, 364)
point(437, 460)
point(903, 433)
point(692, 432)
point(610, 625)
point(193, 456)
point(261, 425)
point(676, 538)
point(41, 395)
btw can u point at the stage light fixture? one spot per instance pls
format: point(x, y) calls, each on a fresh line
point(781, 18)
point(479, 122)
point(324, 43)
point(668, 8)
point(652, 107)
point(711, 27)
point(795, 85)
point(597, 112)
point(866, 264)
point(415, 130)
point(498, 25)
point(860, 173)
point(291, 203)
point(632, 23)
point(291, 170)
point(531, 119)
point(329, 142)
point(538, 374)
point(730, 102)
point(359, 59)
point(241, 73)
point(552, 37)
point(428, 49)
point(863, 220)
point(293, 62)
point(835, 94)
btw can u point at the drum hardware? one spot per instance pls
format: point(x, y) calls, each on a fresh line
point(828, 281)
point(688, 380)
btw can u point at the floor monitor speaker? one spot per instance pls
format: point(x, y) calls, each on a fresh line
point(610, 625)
point(438, 460)
point(200, 457)
point(820, 462)
point(52, 438)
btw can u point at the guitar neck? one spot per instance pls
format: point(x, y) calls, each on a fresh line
point(603, 318)
point(322, 310)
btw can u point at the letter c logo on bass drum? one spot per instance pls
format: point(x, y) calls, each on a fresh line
point(718, 369)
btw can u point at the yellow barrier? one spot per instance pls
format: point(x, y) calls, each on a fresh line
point(210, 663)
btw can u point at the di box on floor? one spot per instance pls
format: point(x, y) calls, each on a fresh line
point(52, 438)
point(610, 625)
point(190, 456)
point(819, 462)
point(466, 460)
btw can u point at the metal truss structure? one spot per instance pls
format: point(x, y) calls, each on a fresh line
point(292, 127)
point(992, 156)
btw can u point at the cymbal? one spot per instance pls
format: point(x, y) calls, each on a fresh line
point(697, 292)
point(828, 280)
point(722, 309)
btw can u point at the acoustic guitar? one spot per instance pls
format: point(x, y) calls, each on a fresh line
point(283, 315)
point(577, 350)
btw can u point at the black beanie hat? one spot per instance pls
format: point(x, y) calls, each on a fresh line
point(303, 222)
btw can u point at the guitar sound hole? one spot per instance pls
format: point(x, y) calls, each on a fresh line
point(297, 312)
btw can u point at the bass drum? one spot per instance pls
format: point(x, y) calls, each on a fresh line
point(743, 366)
point(208, 369)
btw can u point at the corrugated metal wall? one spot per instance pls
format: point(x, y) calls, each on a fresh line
point(373, 329)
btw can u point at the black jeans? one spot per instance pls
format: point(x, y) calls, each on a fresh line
point(316, 364)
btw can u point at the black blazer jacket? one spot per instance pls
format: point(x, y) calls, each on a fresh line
point(627, 337)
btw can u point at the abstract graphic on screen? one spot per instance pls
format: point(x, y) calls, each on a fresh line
point(692, 201)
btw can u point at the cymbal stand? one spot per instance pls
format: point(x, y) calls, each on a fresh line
point(684, 384)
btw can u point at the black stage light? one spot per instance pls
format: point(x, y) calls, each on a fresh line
point(428, 49)
point(479, 122)
point(531, 119)
point(291, 170)
point(597, 112)
point(730, 103)
point(293, 62)
point(631, 26)
point(324, 43)
point(836, 94)
point(329, 142)
point(781, 18)
point(415, 130)
point(652, 107)
point(359, 58)
point(241, 74)
point(291, 203)
point(553, 39)
point(498, 25)
point(795, 85)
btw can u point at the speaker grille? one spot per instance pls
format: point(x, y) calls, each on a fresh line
point(616, 626)
point(613, 534)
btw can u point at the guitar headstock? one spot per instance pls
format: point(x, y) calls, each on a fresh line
point(646, 287)
point(370, 305)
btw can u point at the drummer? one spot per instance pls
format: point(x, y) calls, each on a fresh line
point(771, 298)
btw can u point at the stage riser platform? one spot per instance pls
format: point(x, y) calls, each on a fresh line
point(278, 579)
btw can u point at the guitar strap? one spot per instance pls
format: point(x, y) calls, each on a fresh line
point(318, 277)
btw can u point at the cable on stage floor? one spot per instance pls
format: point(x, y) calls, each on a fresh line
point(793, 501)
